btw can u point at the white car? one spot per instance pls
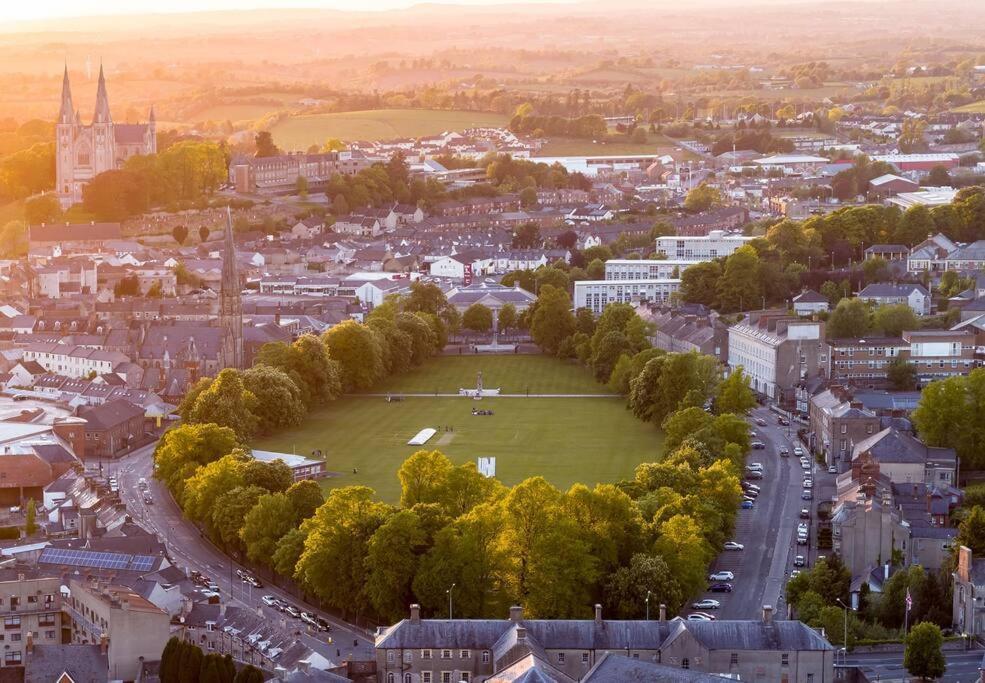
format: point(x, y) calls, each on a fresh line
point(755, 467)
point(806, 464)
point(832, 469)
point(722, 576)
point(269, 600)
point(732, 545)
point(808, 483)
point(700, 616)
point(798, 451)
point(707, 603)
point(795, 573)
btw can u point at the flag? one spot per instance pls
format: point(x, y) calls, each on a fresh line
point(909, 600)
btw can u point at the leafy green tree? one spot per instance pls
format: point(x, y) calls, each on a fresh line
point(306, 497)
point(249, 674)
point(507, 318)
point(183, 449)
point(681, 544)
point(358, 352)
point(894, 319)
point(392, 558)
point(527, 235)
point(551, 276)
point(611, 347)
point(190, 667)
point(265, 146)
point(702, 198)
point(971, 531)
point(279, 402)
point(942, 415)
point(226, 402)
point(333, 564)
point(423, 340)
point(422, 477)
point(43, 209)
point(425, 297)
point(13, 240)
point(31, 518)
point(832, 292)
point(621, 375)
point(923, 656)
point(179, 233)
point(734, 394)
point(170, 657)
point(915, 226)
point(646, 576)
point(596, 270)
point(209, 482)
point(477, 318)
point(902, 375)
point(275, 476)
point(699, 283)
point(740, 288)
point(269, 520)
point(553, 320)
point(849, 320)
point(229, 512)
point(288, 552)
point(463, 488)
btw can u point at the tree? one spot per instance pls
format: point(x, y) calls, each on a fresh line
point(229, 512)
point(506, 317)
point(971, 531)
point(702, 198)
point(31, 518)
point(941, 417)
point(301, 187)
point(13, 240)
point(203, 233)
point(392, 558)
point(307, 362)
point(740, 286)
point(422, 476)
point(425, 297)
point(849, 320)
point(265, 146)
point(179, 233)
point(269, 520)
point(699, 283)
point(915, 225)
point(279, 401)
point(647, 578)
point(477, 318)
point(183, 449)
point(288, 552)
point(43, 209)
point(306, 497)
point(249, 674)
point(527, 235)
point(553, 320)
point(683, 547)
point(224, 401)
point(893, 319)
point(923, 656)
point(938, 177)
point(358, 352)
point(209, 482)
point(333, 563)
point(734, 394)
point(902, 375)
point(596, 270)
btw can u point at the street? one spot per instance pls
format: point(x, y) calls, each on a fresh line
point(189, 550)
point(962, 665)
point(769, 530)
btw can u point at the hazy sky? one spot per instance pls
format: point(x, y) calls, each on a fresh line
point(11, 10)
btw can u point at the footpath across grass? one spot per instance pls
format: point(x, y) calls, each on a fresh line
point(566, 440)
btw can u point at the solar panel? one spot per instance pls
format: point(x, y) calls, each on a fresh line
point(97, 560)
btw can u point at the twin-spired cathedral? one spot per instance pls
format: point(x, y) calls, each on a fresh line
point(86, 151)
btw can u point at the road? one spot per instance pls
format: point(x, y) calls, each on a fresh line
point(188, 549)
point(962, 666)
point(768, 531)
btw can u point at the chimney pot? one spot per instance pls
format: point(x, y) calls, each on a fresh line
point(598, 613)
point(516, 613)
point(663, 612)
point(415, 614)
point(103, 643)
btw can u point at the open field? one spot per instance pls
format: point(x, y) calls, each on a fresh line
point(300, 132)
point(567, 440)
point(972, 108)
point(512, 374)
point(656, 144)
point(234, 112)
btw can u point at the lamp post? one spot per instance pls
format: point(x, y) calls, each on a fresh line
point(449, 591)
point(648, 605)
point(838, 600)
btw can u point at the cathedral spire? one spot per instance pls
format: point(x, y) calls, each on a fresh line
point(65, 115)
point(230, 300)
point(102, 101)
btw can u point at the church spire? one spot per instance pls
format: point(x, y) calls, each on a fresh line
point(102, 101)
point(66, 115)
point(230, 300)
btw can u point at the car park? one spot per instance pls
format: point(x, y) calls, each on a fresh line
point(722, 576)
point(733, 545)
point(757, 445)
point(720, 588)
point(700, 616)
point(269, 600)
point(807, 495)
point(707, 603)
point(747, 505)
point(799, 561)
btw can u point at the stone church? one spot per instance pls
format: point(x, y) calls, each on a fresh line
point(83, 152)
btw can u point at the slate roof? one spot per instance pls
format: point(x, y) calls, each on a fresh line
point(84, 663)
point(970, 252)
point(612, 667)
point(75, 232)
point(111, 414)
point(810, 297)
point(893, 446)
point(887, 289)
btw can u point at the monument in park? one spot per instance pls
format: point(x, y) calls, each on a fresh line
point(479, 392)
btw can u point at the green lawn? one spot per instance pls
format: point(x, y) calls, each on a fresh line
point(299, 132)
point(512, 374)
point(566, 440)
point(972, 108)
point(235, 112)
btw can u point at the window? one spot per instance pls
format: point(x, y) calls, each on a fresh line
point(390, 678)
point(389, 659)
point(810, 678)
point(584, 658)
point(464, 654)
point(485, 657)
point(425, 677)
point(50, 635)
point(734, 659)
point(685, 663)
point(15, 637)
point(408, 655)
point(446, 654)
point(32, 598)
point(464, 676)
point(785, 659)
point(12, 658)
point(560, 658)
point(425, 654)
point(11, 622)
point(446, 677)
point(408, 678)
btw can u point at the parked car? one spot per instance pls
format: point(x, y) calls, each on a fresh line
point(805, 513)
point(323, 625)
point(752, 433)
point(757, 445)
point(798, 451)
point(141, 483)
point(747, 505)
point(722, 576)
point(795, 573)
point(799, 561)
point(832, 469)
point(733, 545)
point(805, 463)
point(148, 499)
point(269, 600)
point(720, 588)
point(700, 616)
point(808, 483)
point(785, 452)
point(750, 487)
point(755, 467)
point(783, 421)
point(807, 495)
point(802, 540)
point(707, 603)
point(293, 611)
point(212, 586)
point(755, 474)
point(803, 529)
point(309, 619)
point(751, 493)
point(761, 422)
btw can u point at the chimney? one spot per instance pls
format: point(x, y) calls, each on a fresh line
point(767, 614)
point(304, 666)
point(30, 642)
point(598, 614)
point(415, 613)
point(516, 613)
point(885, 572)
point(103, 643)
point(663, 612)
point(125, 604)
point(222, 610)
point(521, 634)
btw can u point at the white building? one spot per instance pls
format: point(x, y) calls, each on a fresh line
point(595, 295)
point(74, 361)
point(793, 163)
point(644, 269)
point(462, 266)
point(887, 293)
point(694, 249)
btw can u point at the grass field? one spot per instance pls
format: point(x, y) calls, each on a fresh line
point(566, 440)
point(234, 112)
point(299, 132)
point(656, 144)
point(972, 108)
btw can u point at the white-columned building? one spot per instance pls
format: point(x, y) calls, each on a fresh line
point(595, 295)
point(644, 269)
point(697, 248)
